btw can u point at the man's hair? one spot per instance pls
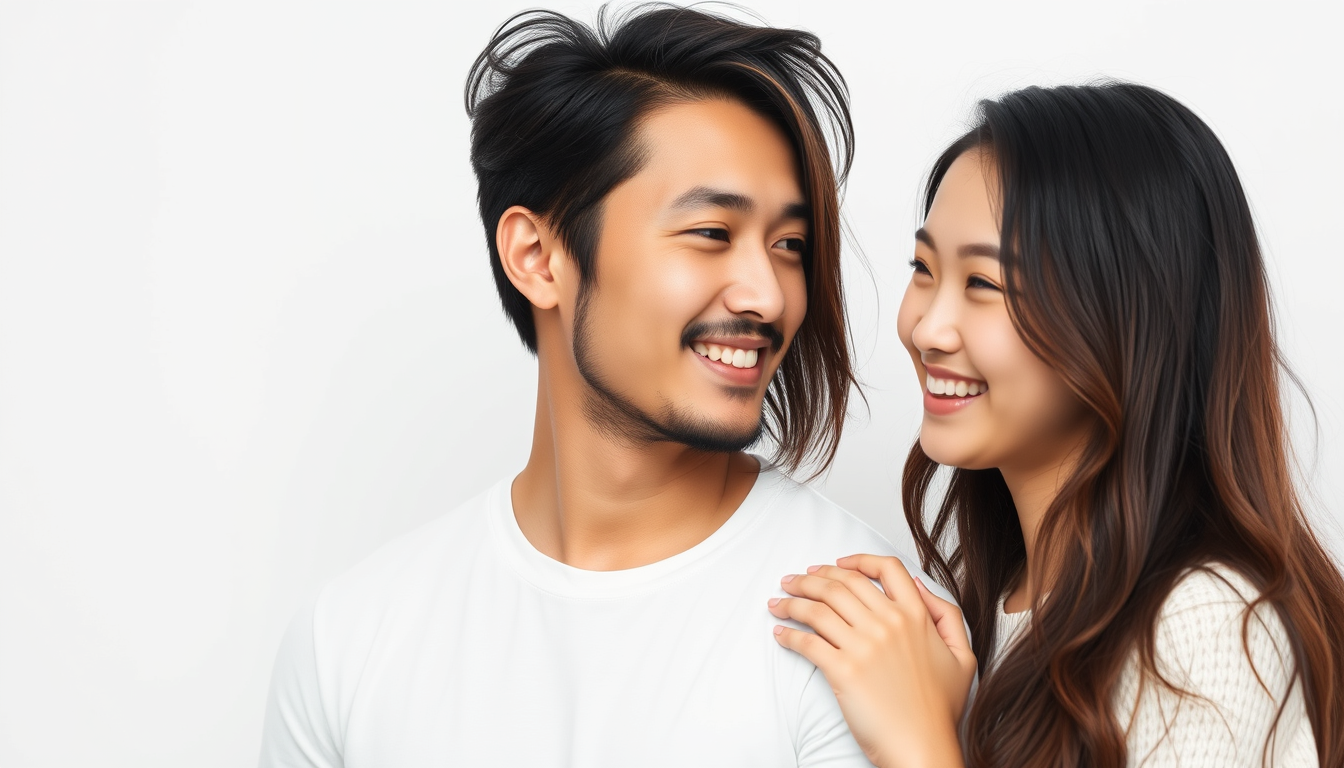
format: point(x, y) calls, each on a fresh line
point(555, 108)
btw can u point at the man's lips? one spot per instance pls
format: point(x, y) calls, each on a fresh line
point(736, 342)
point(741, 367)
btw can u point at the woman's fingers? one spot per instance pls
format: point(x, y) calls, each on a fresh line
point(890, 571)
point(833, 629)
point(835, 594)
point(811, 647)
point(947, 619)
point(860, 586)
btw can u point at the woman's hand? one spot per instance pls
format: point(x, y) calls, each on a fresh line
point(900, 663)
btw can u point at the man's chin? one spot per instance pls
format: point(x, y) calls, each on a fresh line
point(622, 419)
point(711, 437)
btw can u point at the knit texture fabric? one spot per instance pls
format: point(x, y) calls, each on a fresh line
point(1234, 691)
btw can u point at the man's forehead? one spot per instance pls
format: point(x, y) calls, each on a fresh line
point(706, 152)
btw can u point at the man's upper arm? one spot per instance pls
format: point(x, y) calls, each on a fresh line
point(296, 732)
point(824, 740)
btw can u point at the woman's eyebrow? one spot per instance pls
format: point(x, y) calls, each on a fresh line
point(979, 249)
point(970, 249)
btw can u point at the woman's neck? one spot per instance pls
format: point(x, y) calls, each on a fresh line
point(1033, 491)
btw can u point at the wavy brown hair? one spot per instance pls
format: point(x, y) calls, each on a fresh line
point(1132, 267)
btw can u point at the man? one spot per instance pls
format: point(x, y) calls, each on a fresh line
point(661, 214)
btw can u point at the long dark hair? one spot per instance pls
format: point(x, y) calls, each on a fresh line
point(1132, 267)
point(555, 106)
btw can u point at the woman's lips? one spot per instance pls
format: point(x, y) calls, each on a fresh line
point(947, 392)
point(943, 405)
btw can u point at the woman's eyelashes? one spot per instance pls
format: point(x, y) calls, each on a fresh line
point(975, 281)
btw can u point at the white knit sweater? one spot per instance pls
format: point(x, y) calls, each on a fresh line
point(1199, 648)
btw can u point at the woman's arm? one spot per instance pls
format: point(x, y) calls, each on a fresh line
point(899, 662)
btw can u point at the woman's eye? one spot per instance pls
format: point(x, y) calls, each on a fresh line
point(980, 282)
point(920, 267)
point(795, 244)
point(713, 233)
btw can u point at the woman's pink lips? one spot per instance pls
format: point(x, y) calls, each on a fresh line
point(939, 372)
point(941, 405)
point(742, 377)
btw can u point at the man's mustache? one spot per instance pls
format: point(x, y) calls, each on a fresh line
point(737, 326)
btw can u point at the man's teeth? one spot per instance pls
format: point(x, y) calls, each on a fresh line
point(955, 387)
point(738, 358)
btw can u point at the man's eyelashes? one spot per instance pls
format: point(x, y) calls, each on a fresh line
point(795, 244)
point(713, 233)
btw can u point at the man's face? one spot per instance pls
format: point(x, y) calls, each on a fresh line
point(699, 285)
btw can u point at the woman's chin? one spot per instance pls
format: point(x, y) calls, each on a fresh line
point(950, 455)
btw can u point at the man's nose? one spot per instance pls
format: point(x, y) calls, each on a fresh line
point(754, 286)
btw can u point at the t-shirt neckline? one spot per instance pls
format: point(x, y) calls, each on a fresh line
point(557, 578)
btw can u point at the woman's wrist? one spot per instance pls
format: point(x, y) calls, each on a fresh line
point(936, 747)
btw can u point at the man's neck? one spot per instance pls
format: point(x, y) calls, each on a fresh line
point(603, 504)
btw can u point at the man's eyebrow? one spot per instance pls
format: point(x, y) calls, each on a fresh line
point(706, 197)
point(971, 249)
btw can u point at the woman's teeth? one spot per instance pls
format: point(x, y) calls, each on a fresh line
point(738, 358)
point(955, 387)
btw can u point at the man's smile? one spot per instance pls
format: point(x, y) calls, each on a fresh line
point(722, 353)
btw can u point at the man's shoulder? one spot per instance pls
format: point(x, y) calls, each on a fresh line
point(802, 516)
point(816, 516)
point(809, 529)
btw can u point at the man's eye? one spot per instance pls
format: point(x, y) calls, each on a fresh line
point(713, 233)
point(795, 244)
point(920, 267)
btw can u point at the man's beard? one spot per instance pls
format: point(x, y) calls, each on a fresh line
point(615, 416)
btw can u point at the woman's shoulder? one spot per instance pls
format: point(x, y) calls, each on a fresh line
point(1213, 588)
point(1231, 663)
point(1210, 623)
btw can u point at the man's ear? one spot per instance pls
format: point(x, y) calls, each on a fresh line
point(528, 253)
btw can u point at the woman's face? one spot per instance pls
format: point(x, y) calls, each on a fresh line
point(988, 400)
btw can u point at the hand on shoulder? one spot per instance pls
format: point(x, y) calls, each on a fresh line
point(898, 658)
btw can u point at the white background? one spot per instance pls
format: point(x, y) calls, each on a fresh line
point(248, 331)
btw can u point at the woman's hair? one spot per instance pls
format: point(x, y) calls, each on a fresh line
point(1131, 266)
point(556, 106)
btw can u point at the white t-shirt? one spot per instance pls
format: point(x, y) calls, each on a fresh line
point(460, 644)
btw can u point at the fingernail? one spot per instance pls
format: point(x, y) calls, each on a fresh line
point(813, 568)
point(787, 579)
point(779, 630)
point(774, 601)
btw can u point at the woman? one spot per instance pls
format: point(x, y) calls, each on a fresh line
point(1090, 318)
